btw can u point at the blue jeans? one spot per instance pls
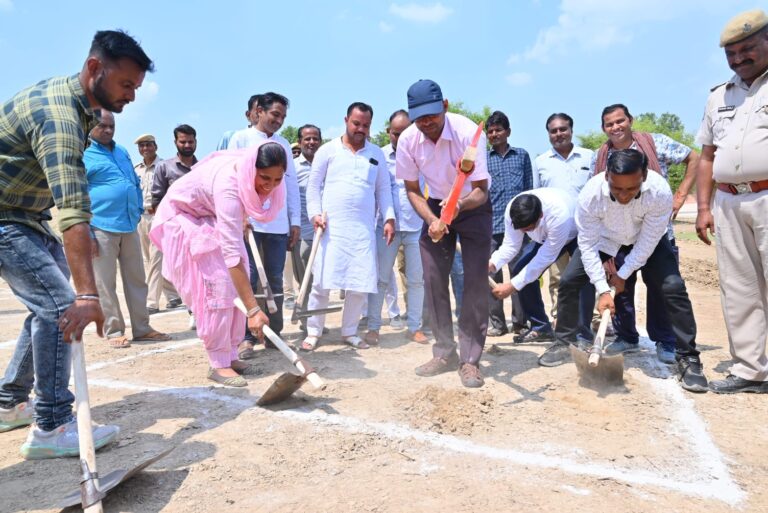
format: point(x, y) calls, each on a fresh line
point(530, 295)
point(414, 277)
point(273, 249)
point(457, 280)
point(34, 266)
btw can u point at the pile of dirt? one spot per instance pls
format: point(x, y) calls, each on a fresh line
point(700, 272)
point(448, 411)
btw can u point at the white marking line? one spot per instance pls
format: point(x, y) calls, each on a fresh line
point(719, 486)
point(164, 349)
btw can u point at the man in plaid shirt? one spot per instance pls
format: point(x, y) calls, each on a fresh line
point(43, 130)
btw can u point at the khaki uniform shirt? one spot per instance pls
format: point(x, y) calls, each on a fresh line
point(146, 174)
point(736, 122)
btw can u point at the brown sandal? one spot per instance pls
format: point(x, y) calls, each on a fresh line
point(120, 342)
point(152, 336)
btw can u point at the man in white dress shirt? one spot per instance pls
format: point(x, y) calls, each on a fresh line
point(281, 234)
point(622, 219)
point(546, 215)
point(349, 181)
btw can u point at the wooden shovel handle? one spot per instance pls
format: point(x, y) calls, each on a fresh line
point(310, 262)
point(594, 356)
point(84, 429)
point(271, 305)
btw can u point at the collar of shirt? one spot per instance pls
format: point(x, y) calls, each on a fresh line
point(179, 163)
point(575, 152)
point(510, 149)
point(738, 82)
point(79, 93)
point(389, 151)
point(143, 165)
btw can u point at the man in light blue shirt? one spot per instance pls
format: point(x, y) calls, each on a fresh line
point(116, 203)
point(408, 227)
point(566, 167)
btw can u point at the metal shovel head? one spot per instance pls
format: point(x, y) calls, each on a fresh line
point(609, 369)
point(113, 479)
point(283, 388)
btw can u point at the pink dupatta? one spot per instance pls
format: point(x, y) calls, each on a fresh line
point(245, 162)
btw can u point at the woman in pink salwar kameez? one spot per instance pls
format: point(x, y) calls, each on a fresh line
point(199, 228)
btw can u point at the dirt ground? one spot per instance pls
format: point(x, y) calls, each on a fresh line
point(379, 438)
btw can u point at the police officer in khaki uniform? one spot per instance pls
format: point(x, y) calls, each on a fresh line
point(734, 165)
point(153, 259)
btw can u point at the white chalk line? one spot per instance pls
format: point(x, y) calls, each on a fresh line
point(719, 485)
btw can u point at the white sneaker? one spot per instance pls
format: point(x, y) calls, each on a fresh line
point(18, 416)
point(192, 322)
point(63, 441)
point(397, 323)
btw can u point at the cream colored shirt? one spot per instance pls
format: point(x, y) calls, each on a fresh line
point(736, 122)
point(146, 174)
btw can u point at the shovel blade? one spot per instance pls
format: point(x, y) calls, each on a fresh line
point(113, 479)
point(609, 370)
point(283, 388)
point(298, 313)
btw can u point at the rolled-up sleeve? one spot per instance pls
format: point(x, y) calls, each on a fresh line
point(58, 147)
point(229, 221)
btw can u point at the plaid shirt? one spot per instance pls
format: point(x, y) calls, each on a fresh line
point(43, 130)
point(511, 174)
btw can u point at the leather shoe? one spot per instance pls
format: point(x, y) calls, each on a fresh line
point(470, 376)
point(734, 385)
point(438, 366)
point(419, 337)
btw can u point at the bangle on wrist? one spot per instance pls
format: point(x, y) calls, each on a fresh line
point(253, 311)
point(87, 297)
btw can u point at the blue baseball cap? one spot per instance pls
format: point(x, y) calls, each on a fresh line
point(424, 99)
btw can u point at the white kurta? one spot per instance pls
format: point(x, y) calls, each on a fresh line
point(348, 186)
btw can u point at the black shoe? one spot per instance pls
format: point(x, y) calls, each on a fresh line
point(153, 311)
point(621, 346)
point(496, 332)
point(533, 336)
point(734, 385)
point(517, 328)
point(556, 354)
point(174, 303)
point(691, 374)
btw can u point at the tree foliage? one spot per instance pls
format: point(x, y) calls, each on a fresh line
point(667, 123)
point(291, 133)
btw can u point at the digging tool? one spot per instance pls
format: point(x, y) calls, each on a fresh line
point(287, 383)
point(596, 366)
point(271, 305)
point(93, 488)
point(464, 168)
point(299, 311)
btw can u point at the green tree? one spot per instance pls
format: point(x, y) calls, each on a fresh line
point(291, 133)
point(667, 123)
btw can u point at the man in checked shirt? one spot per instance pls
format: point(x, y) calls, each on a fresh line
point(43, 130)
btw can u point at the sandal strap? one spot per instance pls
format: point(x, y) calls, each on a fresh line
point(355, 341)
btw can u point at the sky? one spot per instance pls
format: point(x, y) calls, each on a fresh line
point(527, 58)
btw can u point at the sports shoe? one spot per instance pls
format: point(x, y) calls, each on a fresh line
point(691, 374)
point(734, 385)
point(621, 346)
point(192, 322)
point(496, 332)
point(63, 441)
point(531, 336)
point(470, 376)
point(438, 366)
point(397, 323)
point(556, 354)
point(16, 416)
point(663, 354)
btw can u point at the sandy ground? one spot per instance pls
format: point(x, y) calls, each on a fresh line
point(379, 438)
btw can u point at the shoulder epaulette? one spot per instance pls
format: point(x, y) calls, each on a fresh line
point(717, 86)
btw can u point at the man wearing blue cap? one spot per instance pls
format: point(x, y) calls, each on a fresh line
point(431, 147)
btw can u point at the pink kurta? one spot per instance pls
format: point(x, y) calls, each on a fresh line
point(199, 229)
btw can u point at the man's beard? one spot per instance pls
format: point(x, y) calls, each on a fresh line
point(185, 152)
point(100, 93)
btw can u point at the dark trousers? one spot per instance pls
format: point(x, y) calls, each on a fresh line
point(272, 248)
point(496, 310)
point(474, 228)
point(657, 323)
point(661, 270)
point(530, 295)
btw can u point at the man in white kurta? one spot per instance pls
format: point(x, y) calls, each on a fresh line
point(348, 181)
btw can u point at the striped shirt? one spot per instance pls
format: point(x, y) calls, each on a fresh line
point(43, 130)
